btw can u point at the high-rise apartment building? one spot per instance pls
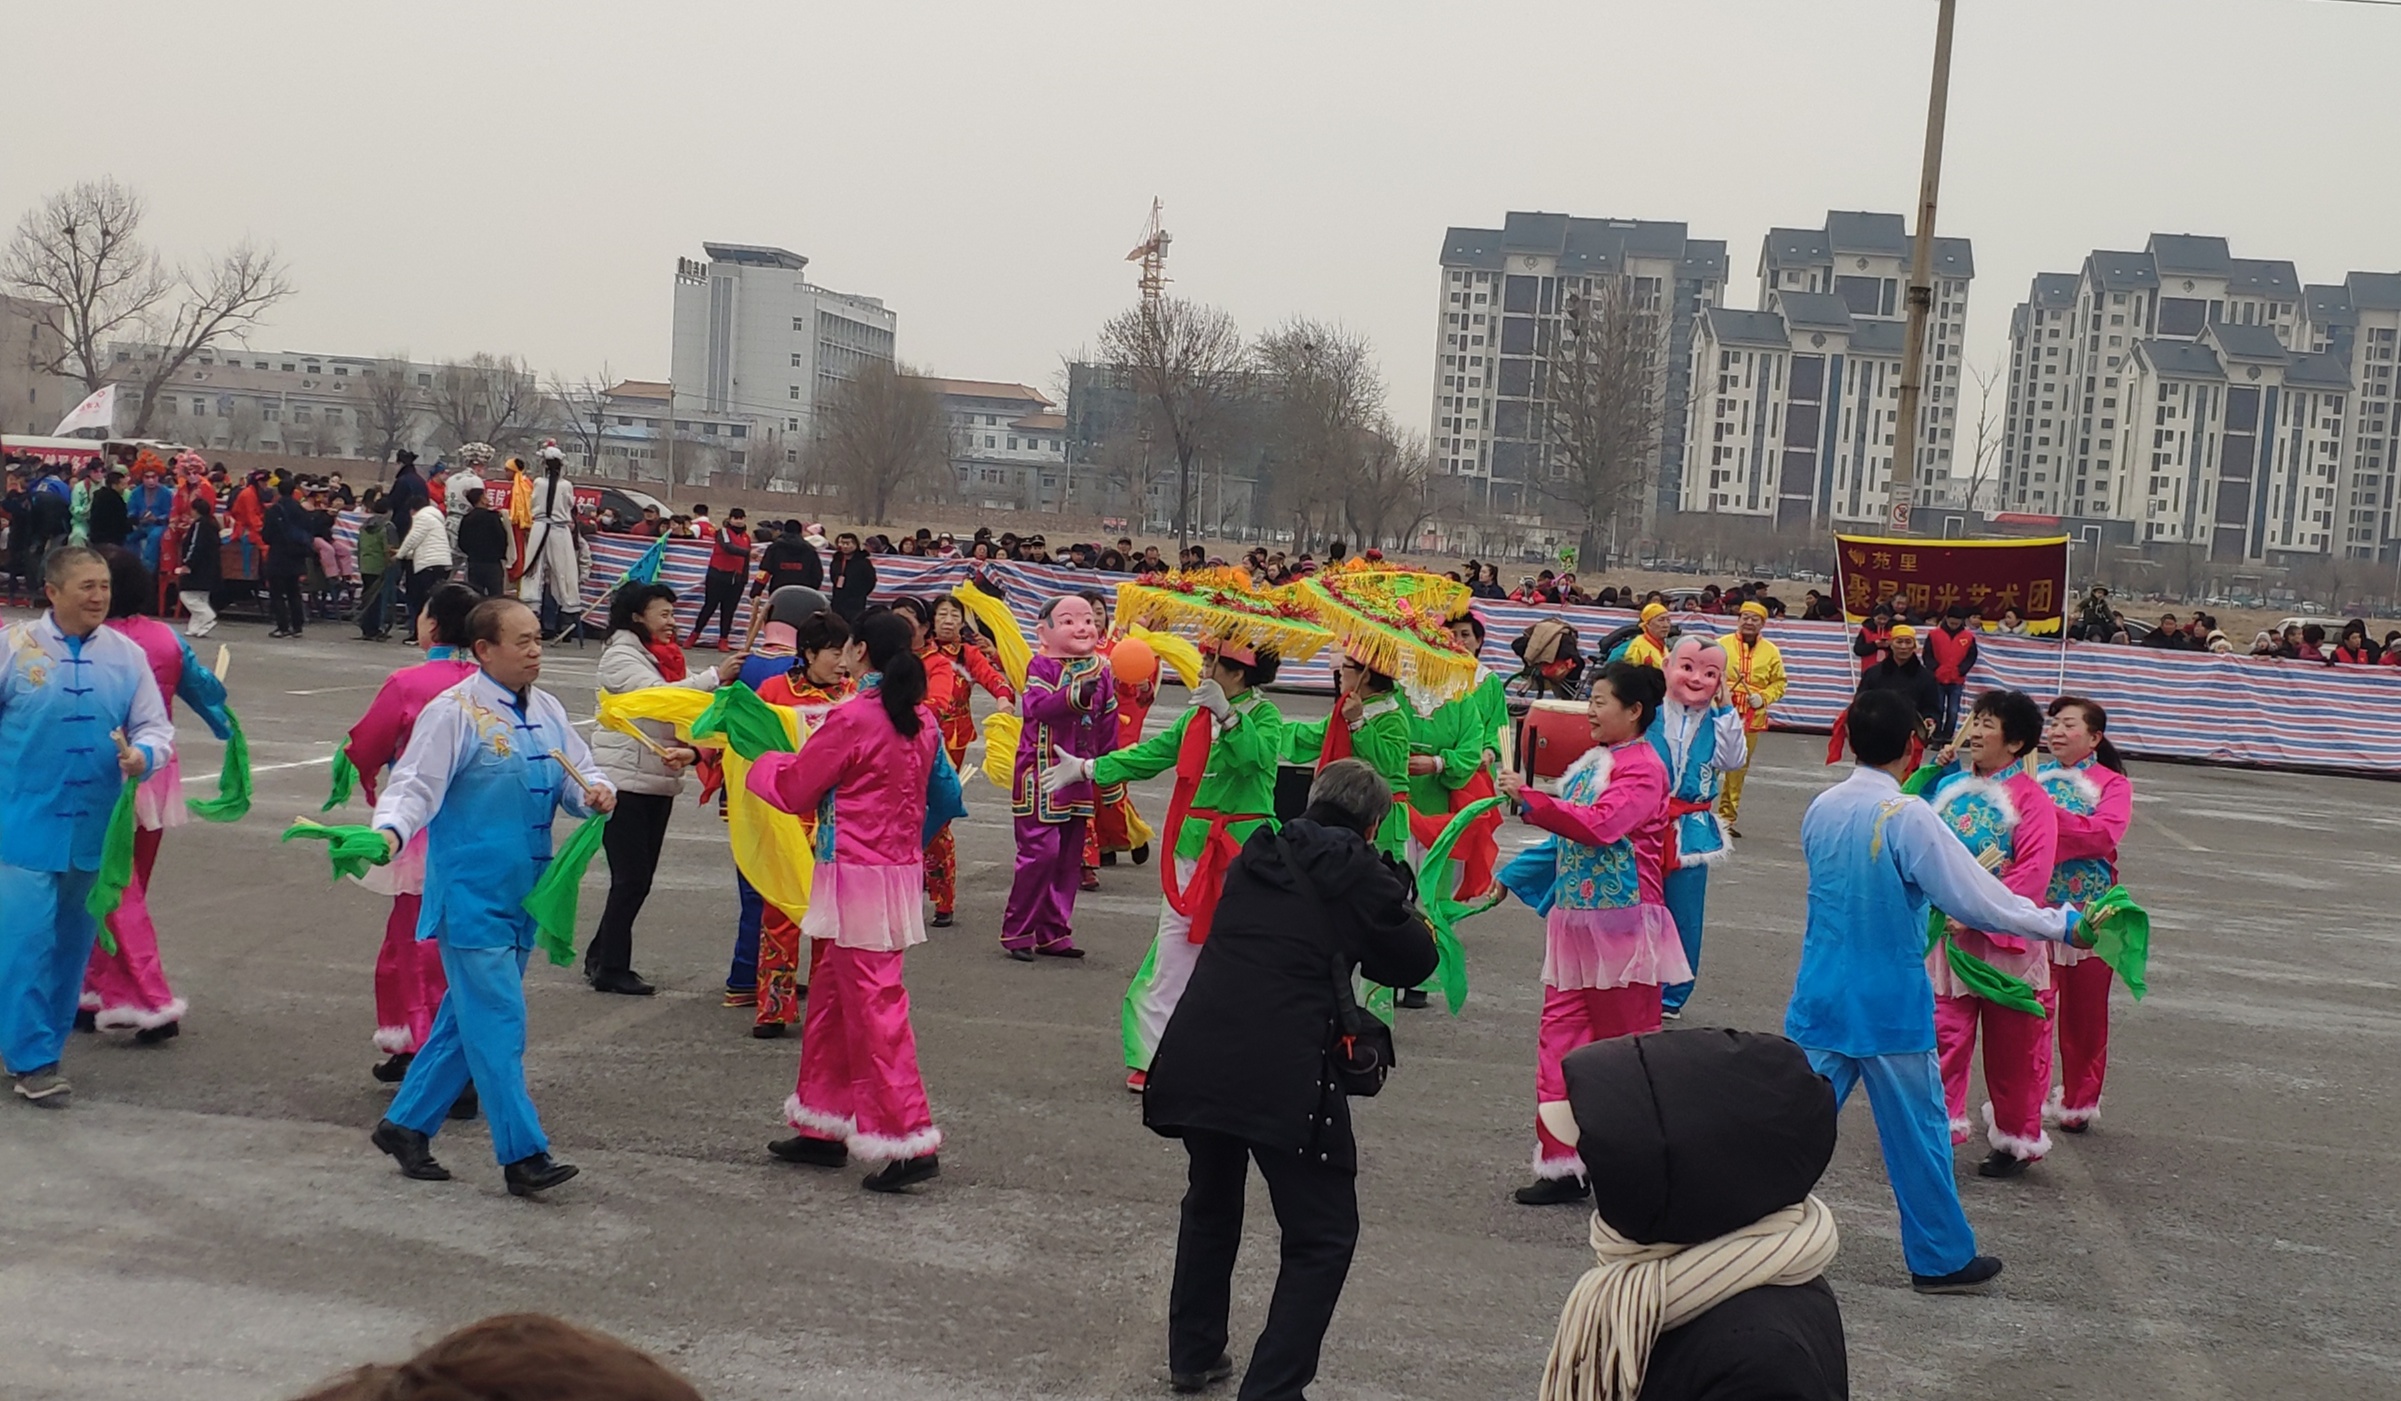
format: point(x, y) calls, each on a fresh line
point(1794, 405)
point(754, 338)
point(1501, 299)
point(2209, 401)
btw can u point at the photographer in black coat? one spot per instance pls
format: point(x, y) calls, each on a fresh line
point(1243, 1073)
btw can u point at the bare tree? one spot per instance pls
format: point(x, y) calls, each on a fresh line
point(320, 437)
point(881, 433)
point(1325, 399)
point(582, 409)
point(80, 254)
point(1606, 409)
point(494, 399)
point(387, 416)
point(1985, 463)
point(1388, 497)
point(245, 424)
point(1187, 363)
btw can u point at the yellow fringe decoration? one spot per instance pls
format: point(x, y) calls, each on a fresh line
point(1001, 733)
point(1429, 673)
point(1180, 655)
point(1016, 655)
point(1158, 606)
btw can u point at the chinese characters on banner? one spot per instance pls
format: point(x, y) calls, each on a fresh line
point(1931, 576)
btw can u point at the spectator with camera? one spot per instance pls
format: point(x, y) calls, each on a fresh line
point(1256, 1064)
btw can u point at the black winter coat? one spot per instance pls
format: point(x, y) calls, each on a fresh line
point(290, 541)
point(1245, 1052)
point(1915, 680)
point(200, 555)
point(791, 559)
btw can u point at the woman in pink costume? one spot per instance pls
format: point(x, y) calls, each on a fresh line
point(408, 972)
point(869, 765)
point(2087, 783)
point(1609, 943)
point(1993, 804)
point(128, 988)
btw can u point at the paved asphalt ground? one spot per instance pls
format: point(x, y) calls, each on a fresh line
point(209, 1221)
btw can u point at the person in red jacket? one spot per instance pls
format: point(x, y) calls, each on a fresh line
point(721, 587)
point(1952, 649)
point(249, 526)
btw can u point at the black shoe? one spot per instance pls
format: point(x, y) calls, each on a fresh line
point(1671, 1014)
point(905, 1173)
point(411, 1149)
point(1202, 1380)
point(1415, 997)
point(87, 1020)
point(767, 1031)
point(152, 1035)
point(623, 981)
point(279, 632)
point(395, 1070)
point(1732, 830)
point(1142, 854)
point(1021, 955)
point(2075, 1125)
point(538, 1173)
point(810, 1152)
point(1967, 1279)
point(1108, 858)
point(1055, 950)
point(466, 1105)
point(1552, 1191)
point(942, 919)
point(2003, 1163)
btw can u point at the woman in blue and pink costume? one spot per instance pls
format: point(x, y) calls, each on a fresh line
point(2087, 783)
point(1609, 943)
point(866, 774)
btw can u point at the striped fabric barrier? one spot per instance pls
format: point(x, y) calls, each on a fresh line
point(2181, 705)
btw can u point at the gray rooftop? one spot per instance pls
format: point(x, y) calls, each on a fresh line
point(2329, 306)
point(2263, 277)
point(1535, 232)
point(2318, 371)
point(1954, 257)
point(2248, 344)
point(2374, 291)
point(2053, 291)
point(1795, 248)
point(1473, 248)
point(1757, 328)
point(2189, 255)
point(1881, 338)
point(757, 255)
point(1814, 311)
point(1855, 231)
point(2122, 272)
point(2181, 359)
point(1705, 258)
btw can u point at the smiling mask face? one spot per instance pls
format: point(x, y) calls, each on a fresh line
point(1694, 671)
point(1070, 631)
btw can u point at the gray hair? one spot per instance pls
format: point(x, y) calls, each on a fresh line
point(1354, 789)
point(59, 562)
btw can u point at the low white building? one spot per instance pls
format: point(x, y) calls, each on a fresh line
point(1008, 445)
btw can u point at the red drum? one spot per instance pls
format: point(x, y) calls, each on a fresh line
point(1554, 734)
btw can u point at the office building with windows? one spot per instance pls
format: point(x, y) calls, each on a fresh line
point(755, 339)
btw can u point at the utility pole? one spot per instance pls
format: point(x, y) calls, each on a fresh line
point(1921, 280)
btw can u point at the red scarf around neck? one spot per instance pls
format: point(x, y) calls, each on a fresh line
point(669, 657)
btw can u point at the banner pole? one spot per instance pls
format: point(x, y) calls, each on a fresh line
point(1842, 610)
point(2067, 574)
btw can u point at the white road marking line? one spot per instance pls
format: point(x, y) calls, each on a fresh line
point(263, 768)
point(2170, 833)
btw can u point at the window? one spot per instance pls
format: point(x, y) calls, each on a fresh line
point(800, 324)
point(798, 359)
point(288, 367)
point(987, 440)
point(796, 391)
point(739, 430)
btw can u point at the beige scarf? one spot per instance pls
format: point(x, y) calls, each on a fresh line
point(1636, 1292)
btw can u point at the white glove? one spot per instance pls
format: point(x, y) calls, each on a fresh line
point(1211, 697)
point(1068, 770)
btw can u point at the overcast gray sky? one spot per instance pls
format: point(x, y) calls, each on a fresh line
point(514, 177)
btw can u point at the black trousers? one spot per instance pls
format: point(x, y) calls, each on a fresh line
point(488, 577)
point(1317, 1210)
point(636, 832)
point(283, 602)
point(418, 587)
point(719, 589)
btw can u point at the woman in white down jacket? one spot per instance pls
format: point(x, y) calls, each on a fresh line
point(640, 653)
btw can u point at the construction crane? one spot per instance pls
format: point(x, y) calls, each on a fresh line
point(1151, 253)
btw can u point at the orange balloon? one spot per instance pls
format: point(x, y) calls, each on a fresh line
point(1132, 660)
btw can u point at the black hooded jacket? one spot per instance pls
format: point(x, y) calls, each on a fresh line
point(1245, 1052)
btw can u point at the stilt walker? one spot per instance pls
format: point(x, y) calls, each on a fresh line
point(80, 719)
point(1994, 980)
point(1069, 708)
point(872, 763)
point(954, 667)
point(2088, 785)
point(408, 971)
point(1755, 681)
point(1609, 943)
point(1699, 739)
point(1224, 751)
point(489, 763)
point(126, 987)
